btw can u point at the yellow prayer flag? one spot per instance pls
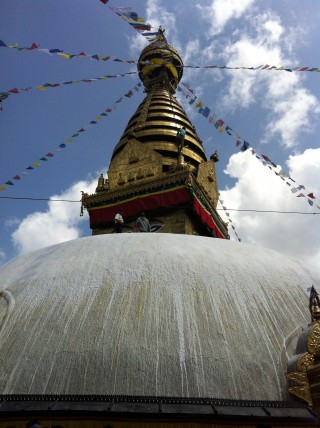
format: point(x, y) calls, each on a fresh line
point(140, 20)
point(36, 164)
point(280, 68)
point(200, 104)
point(2, 187)
point(98, 118)
point(66, 56)
point(221, 129)
point(69, 140)
point(41, 88)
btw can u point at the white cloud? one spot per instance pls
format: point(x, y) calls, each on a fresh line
point(59, 223)
point(258, 188)
point(12, 221)
point(292, 109)
point(274, 29)
point(220, 12)
point(294, 112)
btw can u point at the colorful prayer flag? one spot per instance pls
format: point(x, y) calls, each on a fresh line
point(245, 146)
point(199, 104)
point(206, 112)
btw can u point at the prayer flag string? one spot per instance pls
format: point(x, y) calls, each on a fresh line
point(132, 18)
point(151, 37)
point(44, 86)
point(225, 209)
point(12, 181)
point(243, 145)
point(62, 54)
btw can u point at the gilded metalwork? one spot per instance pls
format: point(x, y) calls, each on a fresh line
point(314, 340)
point(160, 115)
point(306, 377)
point(150, 124)
point(302, 392)
point(301, 389)
point(135, 162)
point(208, 181)
point(148, 152)
point(305, 362)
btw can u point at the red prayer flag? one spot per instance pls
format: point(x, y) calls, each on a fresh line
point(104, 1)
point(14, 91)
point(265, 158)
point(33, 46)
point(311, 195)
point(16, 177)
point(238, 143)
point(301, 195)
point(81, 130)
point(50, 155)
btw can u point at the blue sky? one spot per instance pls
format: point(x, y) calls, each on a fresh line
point(277, 112)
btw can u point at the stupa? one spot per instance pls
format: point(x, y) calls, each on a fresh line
point(178, 327)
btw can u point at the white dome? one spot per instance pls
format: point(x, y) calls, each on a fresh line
point(150, 314)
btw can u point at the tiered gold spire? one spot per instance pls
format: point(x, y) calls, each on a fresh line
point(152, 169)
point(159, 116)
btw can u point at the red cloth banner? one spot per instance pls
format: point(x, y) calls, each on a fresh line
point(206, 218)
point(133, 206)
point(172, 198)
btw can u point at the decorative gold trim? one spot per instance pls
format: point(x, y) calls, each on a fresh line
point(305, 362)
point(302, 392)
point(305, 365)
point(314, 340)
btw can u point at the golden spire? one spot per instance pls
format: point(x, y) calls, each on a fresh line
point(159, 165)
point(160, 116)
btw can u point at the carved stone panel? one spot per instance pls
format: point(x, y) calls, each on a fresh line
point(136, 163)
